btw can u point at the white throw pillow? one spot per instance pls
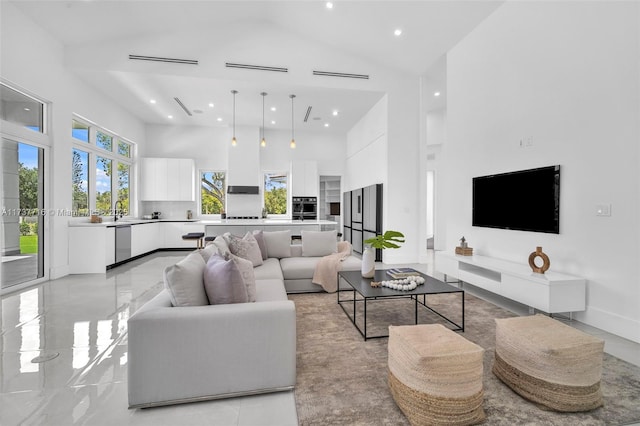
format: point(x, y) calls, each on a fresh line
point(222, 245)
point(319, 243)
point(248, 276)
point(209, 250)
point(246, 247)
point(278, 243)
point(260, 239)
point(185, 283)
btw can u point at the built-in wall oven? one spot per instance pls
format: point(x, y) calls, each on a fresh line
point(304, 208)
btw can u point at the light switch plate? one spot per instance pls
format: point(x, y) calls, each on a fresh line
point(603, 210)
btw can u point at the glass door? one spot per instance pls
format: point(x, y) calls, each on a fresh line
point(22, 212)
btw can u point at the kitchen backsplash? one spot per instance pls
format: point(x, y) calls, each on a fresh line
point(170, 209)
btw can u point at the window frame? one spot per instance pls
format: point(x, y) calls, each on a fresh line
point(287, 213)
point(116, 158)
point(224, 208)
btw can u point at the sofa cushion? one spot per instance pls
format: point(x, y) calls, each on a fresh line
point(270, 291)
point(223, 281)
point(222, 245)
point(270, 269)
point(319, 243)
point(184, 281)
point(278, 243)
point(208, 251)
point(263, 246)
point(294, 268)
point(245, 247)
point(248, 277)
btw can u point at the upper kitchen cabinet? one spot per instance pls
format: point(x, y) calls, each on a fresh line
point(167, 179)
point(304, 179)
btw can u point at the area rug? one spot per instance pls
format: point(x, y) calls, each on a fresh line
point(342, 380)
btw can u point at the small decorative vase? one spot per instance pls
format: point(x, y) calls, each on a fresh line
point(368, 262)
point(545, 261)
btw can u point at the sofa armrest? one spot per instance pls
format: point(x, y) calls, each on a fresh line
point(179, 354)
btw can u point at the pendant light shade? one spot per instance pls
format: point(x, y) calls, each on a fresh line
point(263, 142)
point(234, 142)
point(292, 144)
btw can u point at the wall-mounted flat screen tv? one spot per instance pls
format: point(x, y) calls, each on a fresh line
point(525, 200)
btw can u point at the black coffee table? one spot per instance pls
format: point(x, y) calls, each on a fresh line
point(362, 286)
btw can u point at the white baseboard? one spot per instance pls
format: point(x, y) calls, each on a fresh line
point(611, 322)
point(58, 272)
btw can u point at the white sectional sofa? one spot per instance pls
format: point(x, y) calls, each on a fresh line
point(180, 354)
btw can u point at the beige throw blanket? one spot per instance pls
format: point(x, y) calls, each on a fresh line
point(326, 272)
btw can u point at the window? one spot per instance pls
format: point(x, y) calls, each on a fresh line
point(97, 188)
point(124, 149)
point(123, 186)
point(80, 131)
point(80, 181)
point(17, 107)
point(103, 185)
point(275, 193)
point(212, 192)
point(104, 141)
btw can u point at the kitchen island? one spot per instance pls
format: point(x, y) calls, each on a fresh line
point(93, 247)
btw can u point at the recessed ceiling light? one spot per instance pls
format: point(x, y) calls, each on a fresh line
point(397, 32)
point(273, 108)
point(273, 121)
point(326, 124)
point(329, 5)
point(335, 112)
point(153, 101)
point(169, 116)
point(26, 109)
point(219, 118)
point(211, 105)
point(436, 94)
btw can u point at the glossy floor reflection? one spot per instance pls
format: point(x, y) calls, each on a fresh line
point(79, 323)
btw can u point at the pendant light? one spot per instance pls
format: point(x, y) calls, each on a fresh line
point(292, 144)
point(234, 142)
point(263, 142)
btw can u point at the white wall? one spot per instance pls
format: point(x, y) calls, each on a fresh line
point(566, 75)
point(32, 60)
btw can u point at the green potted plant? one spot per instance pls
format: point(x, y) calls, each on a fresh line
point(390, 239)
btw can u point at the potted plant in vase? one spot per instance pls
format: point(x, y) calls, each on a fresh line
point(390, 239)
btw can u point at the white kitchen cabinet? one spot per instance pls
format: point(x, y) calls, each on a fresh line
point(145, 238)
point(110, 246)
point(304, 179)
point(167, 179)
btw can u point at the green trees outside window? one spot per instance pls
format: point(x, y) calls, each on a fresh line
point(275, 193)
point(212, 192)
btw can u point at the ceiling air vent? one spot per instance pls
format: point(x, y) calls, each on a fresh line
point(160, 59)
point(256, 67)
point(183, 107)
point(306, 116)
point(341, 74)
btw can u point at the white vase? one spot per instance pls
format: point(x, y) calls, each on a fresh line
point(368, 262)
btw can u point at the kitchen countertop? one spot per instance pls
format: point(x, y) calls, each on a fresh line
point(214, 222)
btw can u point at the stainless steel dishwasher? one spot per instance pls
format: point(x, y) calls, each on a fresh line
point(123, 242)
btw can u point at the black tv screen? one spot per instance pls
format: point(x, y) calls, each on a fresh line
point(525, 200)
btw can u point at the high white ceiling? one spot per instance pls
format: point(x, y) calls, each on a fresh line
point(274, 33)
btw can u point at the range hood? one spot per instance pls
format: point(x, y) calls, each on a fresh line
point(239, 189)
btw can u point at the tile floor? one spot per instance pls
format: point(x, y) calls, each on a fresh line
point(80, 322)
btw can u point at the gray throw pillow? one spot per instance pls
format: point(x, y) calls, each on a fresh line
point(223, 281)
point(246, 247)
point(248, 276)
point(184, 281)
point(319, 243)
point(222, 245)
point(209, 250)
point(263, 246)
point(278, 243)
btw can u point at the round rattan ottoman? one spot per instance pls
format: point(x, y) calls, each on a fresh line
point(549, 363)
point(435, 375)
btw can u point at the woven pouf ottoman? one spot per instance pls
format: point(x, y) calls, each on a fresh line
point(435, 375)
point(549, 363)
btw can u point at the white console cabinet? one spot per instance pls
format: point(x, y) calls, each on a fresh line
point(551, 292)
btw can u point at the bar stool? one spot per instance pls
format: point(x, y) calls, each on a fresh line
point(195, 236)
